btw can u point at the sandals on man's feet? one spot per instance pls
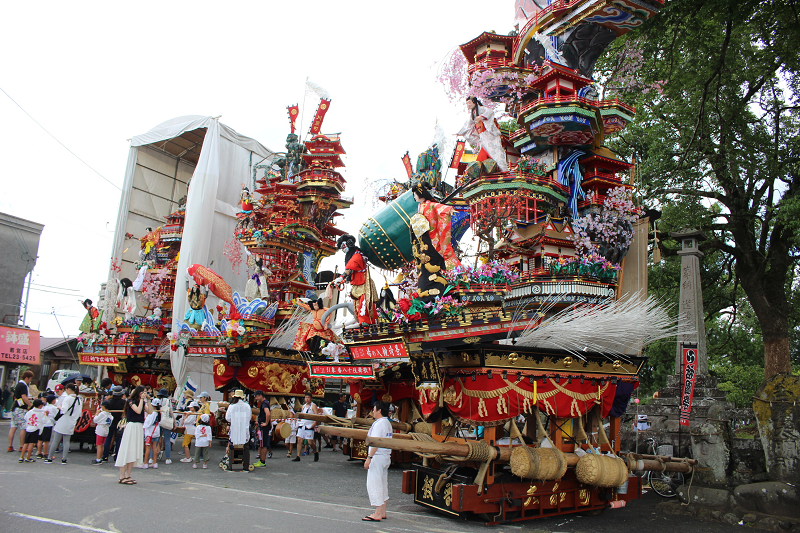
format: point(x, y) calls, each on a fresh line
point(127, 481)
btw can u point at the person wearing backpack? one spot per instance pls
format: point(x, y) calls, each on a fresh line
point(66, 418)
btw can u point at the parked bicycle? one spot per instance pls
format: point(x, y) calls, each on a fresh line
point(665, 484)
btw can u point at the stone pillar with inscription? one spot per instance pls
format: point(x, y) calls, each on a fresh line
point(690, 308)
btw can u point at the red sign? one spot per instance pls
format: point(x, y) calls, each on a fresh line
point(407, 163)
point(326, 370)
point(19, 345)
point(97, 359)
point(324, 105)
point(689, 374)
point(207, 350)
point(379, 351)
point(457, 153)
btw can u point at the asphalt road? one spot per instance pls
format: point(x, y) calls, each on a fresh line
point(328, 496)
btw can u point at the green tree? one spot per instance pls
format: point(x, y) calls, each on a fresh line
point(715, 84)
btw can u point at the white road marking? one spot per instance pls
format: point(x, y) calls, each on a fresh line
point(60, 523)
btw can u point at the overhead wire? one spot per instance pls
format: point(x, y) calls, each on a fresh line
point(59, 142)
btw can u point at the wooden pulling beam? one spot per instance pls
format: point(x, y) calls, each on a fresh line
point(665, 458)
point(353, 433)
point(401, 426)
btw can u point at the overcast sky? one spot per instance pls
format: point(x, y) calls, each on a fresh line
point(97, 73)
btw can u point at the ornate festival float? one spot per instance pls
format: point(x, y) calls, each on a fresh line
point(514, 372)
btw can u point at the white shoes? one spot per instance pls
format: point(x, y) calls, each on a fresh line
point(153, 465)
point(168, 462)
point(194, 465)
point(186, 460)
point(144, 466)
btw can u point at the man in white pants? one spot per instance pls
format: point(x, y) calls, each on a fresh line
point(377, 463)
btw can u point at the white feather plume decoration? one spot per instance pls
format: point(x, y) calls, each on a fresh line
point(284, 336)
point(318, 90)
point(623, 326)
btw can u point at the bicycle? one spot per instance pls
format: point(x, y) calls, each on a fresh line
point(665, 484)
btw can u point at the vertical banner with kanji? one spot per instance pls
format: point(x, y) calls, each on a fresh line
point(689, 354)
point(457, 153)
point(407, 163)
point(316, 124)
point(293, 111)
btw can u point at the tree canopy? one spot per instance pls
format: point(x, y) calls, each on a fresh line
point(715, 84)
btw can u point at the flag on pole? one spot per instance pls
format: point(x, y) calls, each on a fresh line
point(293, 112)
point(407, 164)
point(316, 124)
point(457, 153)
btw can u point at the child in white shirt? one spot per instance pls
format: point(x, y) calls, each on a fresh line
point(34, 421)
point(202, 440)
point(188, 432)
point(103, 419)
point(50, 411)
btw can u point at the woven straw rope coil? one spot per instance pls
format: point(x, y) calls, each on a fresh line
point(541, 464)
point(601, 470)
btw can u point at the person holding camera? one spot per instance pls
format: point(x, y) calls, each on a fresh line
point(130, 451)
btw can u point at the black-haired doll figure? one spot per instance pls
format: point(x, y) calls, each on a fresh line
point(386, 304)
point(126, 298)
point(92, 319)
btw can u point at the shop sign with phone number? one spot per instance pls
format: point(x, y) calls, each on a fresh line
point(19, 345)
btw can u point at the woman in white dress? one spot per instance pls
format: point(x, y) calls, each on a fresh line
point(130, 451)
point(481, 130)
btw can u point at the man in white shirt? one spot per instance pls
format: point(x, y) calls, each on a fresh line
point(238, 414)
point(377, 463)
point(305, 428)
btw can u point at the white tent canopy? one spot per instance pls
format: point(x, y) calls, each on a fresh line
point(161, 162)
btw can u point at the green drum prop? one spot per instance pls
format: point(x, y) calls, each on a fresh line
point(385, 238)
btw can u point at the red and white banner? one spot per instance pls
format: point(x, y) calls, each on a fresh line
point(379, 351)
point(689, 354)
point(407, 163)
point(293, 111)
point(324, 105)
point(333, 370)
point(206, 350)
point(19, 345)
point(98, 360)
point(457, 153)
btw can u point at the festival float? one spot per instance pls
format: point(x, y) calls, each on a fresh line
point(511, 375)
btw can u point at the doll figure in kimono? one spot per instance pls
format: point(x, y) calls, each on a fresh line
point(196, 314)
point(149, 245)
point(247, 204)
point(481, 130)
point(386, 304)
point(310, 334)
point(92, 319)
point(257, 286)
point(431, 242)
point(126, 298)
point(356, 272)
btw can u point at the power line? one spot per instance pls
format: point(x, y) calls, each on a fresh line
point(53, 292)
point(59, 142)
point(51, 287)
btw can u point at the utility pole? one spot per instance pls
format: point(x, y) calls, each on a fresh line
point(27, 295)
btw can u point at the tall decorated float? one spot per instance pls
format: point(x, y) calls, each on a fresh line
point(511, 374)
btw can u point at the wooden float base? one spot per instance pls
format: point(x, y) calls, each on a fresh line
point(506, 501)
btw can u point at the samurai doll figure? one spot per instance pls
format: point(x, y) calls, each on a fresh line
point(481, 130)
point(309, 335)
point(431, 242)
point(245, 216)
point(126, 298)
point(149, 245)
point(92, 319)
point(257, 286)
point(196, 315)
point(356, 272)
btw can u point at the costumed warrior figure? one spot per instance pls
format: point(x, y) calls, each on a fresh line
point(481, 130)
point(149, 244)
point(257, 285)
point(309, 335)
point(91, 320)
point(387, 303)
point(245, 215)
point(431, 244)
point(126, 298)
point(195, 315)
point(356, 272)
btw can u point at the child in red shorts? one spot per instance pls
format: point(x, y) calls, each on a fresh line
point(103, 420)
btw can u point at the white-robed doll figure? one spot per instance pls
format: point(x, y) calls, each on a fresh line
point(126, 298)
point(257, 286)
point(481, 130)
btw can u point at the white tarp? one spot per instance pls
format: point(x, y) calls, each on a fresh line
point(155, 180)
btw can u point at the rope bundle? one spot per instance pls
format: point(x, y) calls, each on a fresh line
point(601, 470)
point(541, 464)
